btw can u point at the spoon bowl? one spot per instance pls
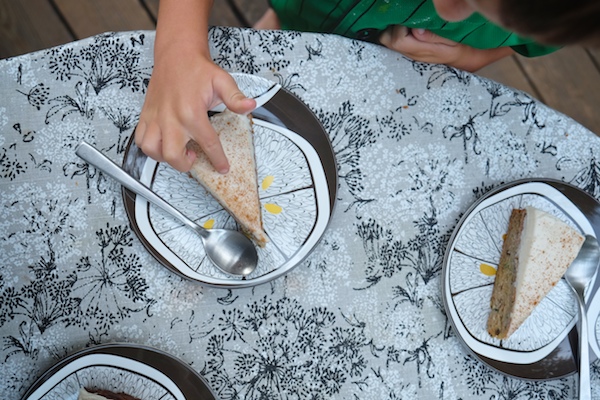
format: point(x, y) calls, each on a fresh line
point(578, 276)
point(230, 251)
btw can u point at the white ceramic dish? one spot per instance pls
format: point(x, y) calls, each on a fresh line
point(297, 185)
point(139, 371)
point(471, 260)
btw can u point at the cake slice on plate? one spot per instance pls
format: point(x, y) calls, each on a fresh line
point(100, 394)
point(236, 191)
point(537, 250)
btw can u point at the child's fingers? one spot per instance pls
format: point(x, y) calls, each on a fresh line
point(210, 144)
point(393, 34)
point(424, 35)
point(227, 89)
point(238, 103)
point(148, 139)
point(400, 39)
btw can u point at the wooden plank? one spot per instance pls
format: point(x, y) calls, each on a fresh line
point(569, 82)
point(90, 17)
point(508, 72)
point(595, 54)
point(29, 25)
point(221, 13)
point(152, 6)
point(251, 10)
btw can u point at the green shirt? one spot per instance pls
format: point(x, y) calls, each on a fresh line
point(366, 19)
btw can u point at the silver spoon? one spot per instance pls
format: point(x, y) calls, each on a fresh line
point(578, 276)
point(229, 250)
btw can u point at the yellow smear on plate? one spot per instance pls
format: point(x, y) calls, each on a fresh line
point(487, 270)
point(268, 181)
point(209, 224)
point(273, 208)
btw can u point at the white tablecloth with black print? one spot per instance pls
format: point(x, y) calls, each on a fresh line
point(362, 317)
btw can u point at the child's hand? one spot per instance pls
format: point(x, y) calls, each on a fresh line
point(422, 45)
point(184, 85)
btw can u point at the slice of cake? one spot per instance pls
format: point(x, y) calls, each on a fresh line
point(537, 250)
point(101, 394)
point(236, 191)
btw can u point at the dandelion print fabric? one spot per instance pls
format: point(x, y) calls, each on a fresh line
point(362, 317)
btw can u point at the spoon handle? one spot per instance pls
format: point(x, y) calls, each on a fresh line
point(584, 355)
point(94, 157)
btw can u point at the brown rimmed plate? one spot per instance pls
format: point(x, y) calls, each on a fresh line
point(298, 181)
point(140, 371)
point(543, 347)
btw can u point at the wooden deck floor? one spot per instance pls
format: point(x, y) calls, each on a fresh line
point(568, 80)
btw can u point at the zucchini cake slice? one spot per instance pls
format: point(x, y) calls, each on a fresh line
point(537, 250)
point(237, 190)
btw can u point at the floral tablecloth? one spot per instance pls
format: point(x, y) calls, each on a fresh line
point(362, 317)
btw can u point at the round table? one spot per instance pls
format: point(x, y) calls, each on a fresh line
point(362, 316)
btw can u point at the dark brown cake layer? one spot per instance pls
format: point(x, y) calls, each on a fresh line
point(503, 294)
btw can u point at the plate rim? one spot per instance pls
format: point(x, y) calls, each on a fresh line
point(532, 371)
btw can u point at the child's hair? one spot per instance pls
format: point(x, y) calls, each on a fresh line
point(558, 22)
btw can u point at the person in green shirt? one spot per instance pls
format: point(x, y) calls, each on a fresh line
point(186, 82)
point(366, 20)
point(468, 42)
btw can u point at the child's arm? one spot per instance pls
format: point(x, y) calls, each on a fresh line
point(185, 83)
point(422, 45)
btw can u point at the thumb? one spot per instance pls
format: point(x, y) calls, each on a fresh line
point(232, 97)
point(239, 103)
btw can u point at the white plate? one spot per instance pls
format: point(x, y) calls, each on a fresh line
point(139, 371)
point(297, 185)
point(472, 257)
